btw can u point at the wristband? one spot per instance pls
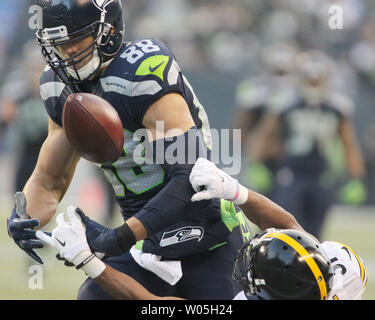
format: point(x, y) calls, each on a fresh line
point(236, 194)
point(125, 237)
point(241, 195)
point(89, 263)
point(86, 261)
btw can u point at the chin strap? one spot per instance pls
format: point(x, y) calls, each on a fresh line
point(85, 72)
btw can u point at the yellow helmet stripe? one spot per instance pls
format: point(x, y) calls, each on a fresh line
point(362, 266)
point(308, 259)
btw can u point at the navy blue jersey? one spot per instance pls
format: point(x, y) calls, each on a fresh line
point(143, 72)
point(309, 131)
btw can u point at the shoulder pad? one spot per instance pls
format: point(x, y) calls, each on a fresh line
point(341, 104)
point(50, 85)
point(282, 100)
point(350, 270)
point(144, 67)
point(250, 94)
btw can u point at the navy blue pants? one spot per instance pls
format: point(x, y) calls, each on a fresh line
point(307, 200)
point(206, 276)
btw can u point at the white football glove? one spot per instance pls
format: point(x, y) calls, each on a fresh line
point(69, 238)
point(211, 182)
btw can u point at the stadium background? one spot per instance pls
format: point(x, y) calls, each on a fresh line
point(217, 44)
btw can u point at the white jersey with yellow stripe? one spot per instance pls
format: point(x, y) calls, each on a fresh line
point(351, 275)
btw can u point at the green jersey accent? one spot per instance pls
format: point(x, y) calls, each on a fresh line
point(248, 229)
point(233, 217)
point(153, 65)
point(217, 245)
point(228, 214)
point(139, 244)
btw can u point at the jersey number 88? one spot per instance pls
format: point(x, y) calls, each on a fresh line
point(137, 51)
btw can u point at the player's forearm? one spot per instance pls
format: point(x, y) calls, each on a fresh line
point(355, 163)
point(353, 154)
point(263, 138)
point(52, 175)
point(266, 213)
point(165, 209)
point(42, 197)
point(121, 286)
point(168, 206)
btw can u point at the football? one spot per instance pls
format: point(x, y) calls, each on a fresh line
point(93, 127)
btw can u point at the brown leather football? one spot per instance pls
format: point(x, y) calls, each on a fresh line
point(93, 127)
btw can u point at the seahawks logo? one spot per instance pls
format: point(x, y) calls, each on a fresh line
point(180, 235)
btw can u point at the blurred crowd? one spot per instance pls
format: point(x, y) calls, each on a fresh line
point(228, 38)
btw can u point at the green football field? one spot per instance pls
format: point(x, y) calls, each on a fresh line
point(21, 278)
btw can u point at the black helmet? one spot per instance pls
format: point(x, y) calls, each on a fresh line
point(284, 264)
point(66, 21)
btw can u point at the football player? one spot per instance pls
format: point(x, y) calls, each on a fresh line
point(251, 100)
point(83, 44)
point(277, 264)
point(308, 125)
point(256, 259)
point(290, 264)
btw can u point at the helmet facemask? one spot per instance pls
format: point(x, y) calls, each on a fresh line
point(244, 269)
point(66, 68)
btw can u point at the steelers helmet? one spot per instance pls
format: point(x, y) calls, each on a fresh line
point(65, 21)
point(284, 265)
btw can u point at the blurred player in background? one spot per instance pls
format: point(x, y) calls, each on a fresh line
point(23, 113)
point(270, 266)
point(307, 125)
point(251, 104)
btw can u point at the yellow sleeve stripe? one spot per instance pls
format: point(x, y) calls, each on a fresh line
point(308, 259)
point(362, 266)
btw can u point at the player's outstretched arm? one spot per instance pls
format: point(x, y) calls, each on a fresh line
point(38, 202)
point(123, 287)
point(69, 238)
point(211, 182)
point(52, 175)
